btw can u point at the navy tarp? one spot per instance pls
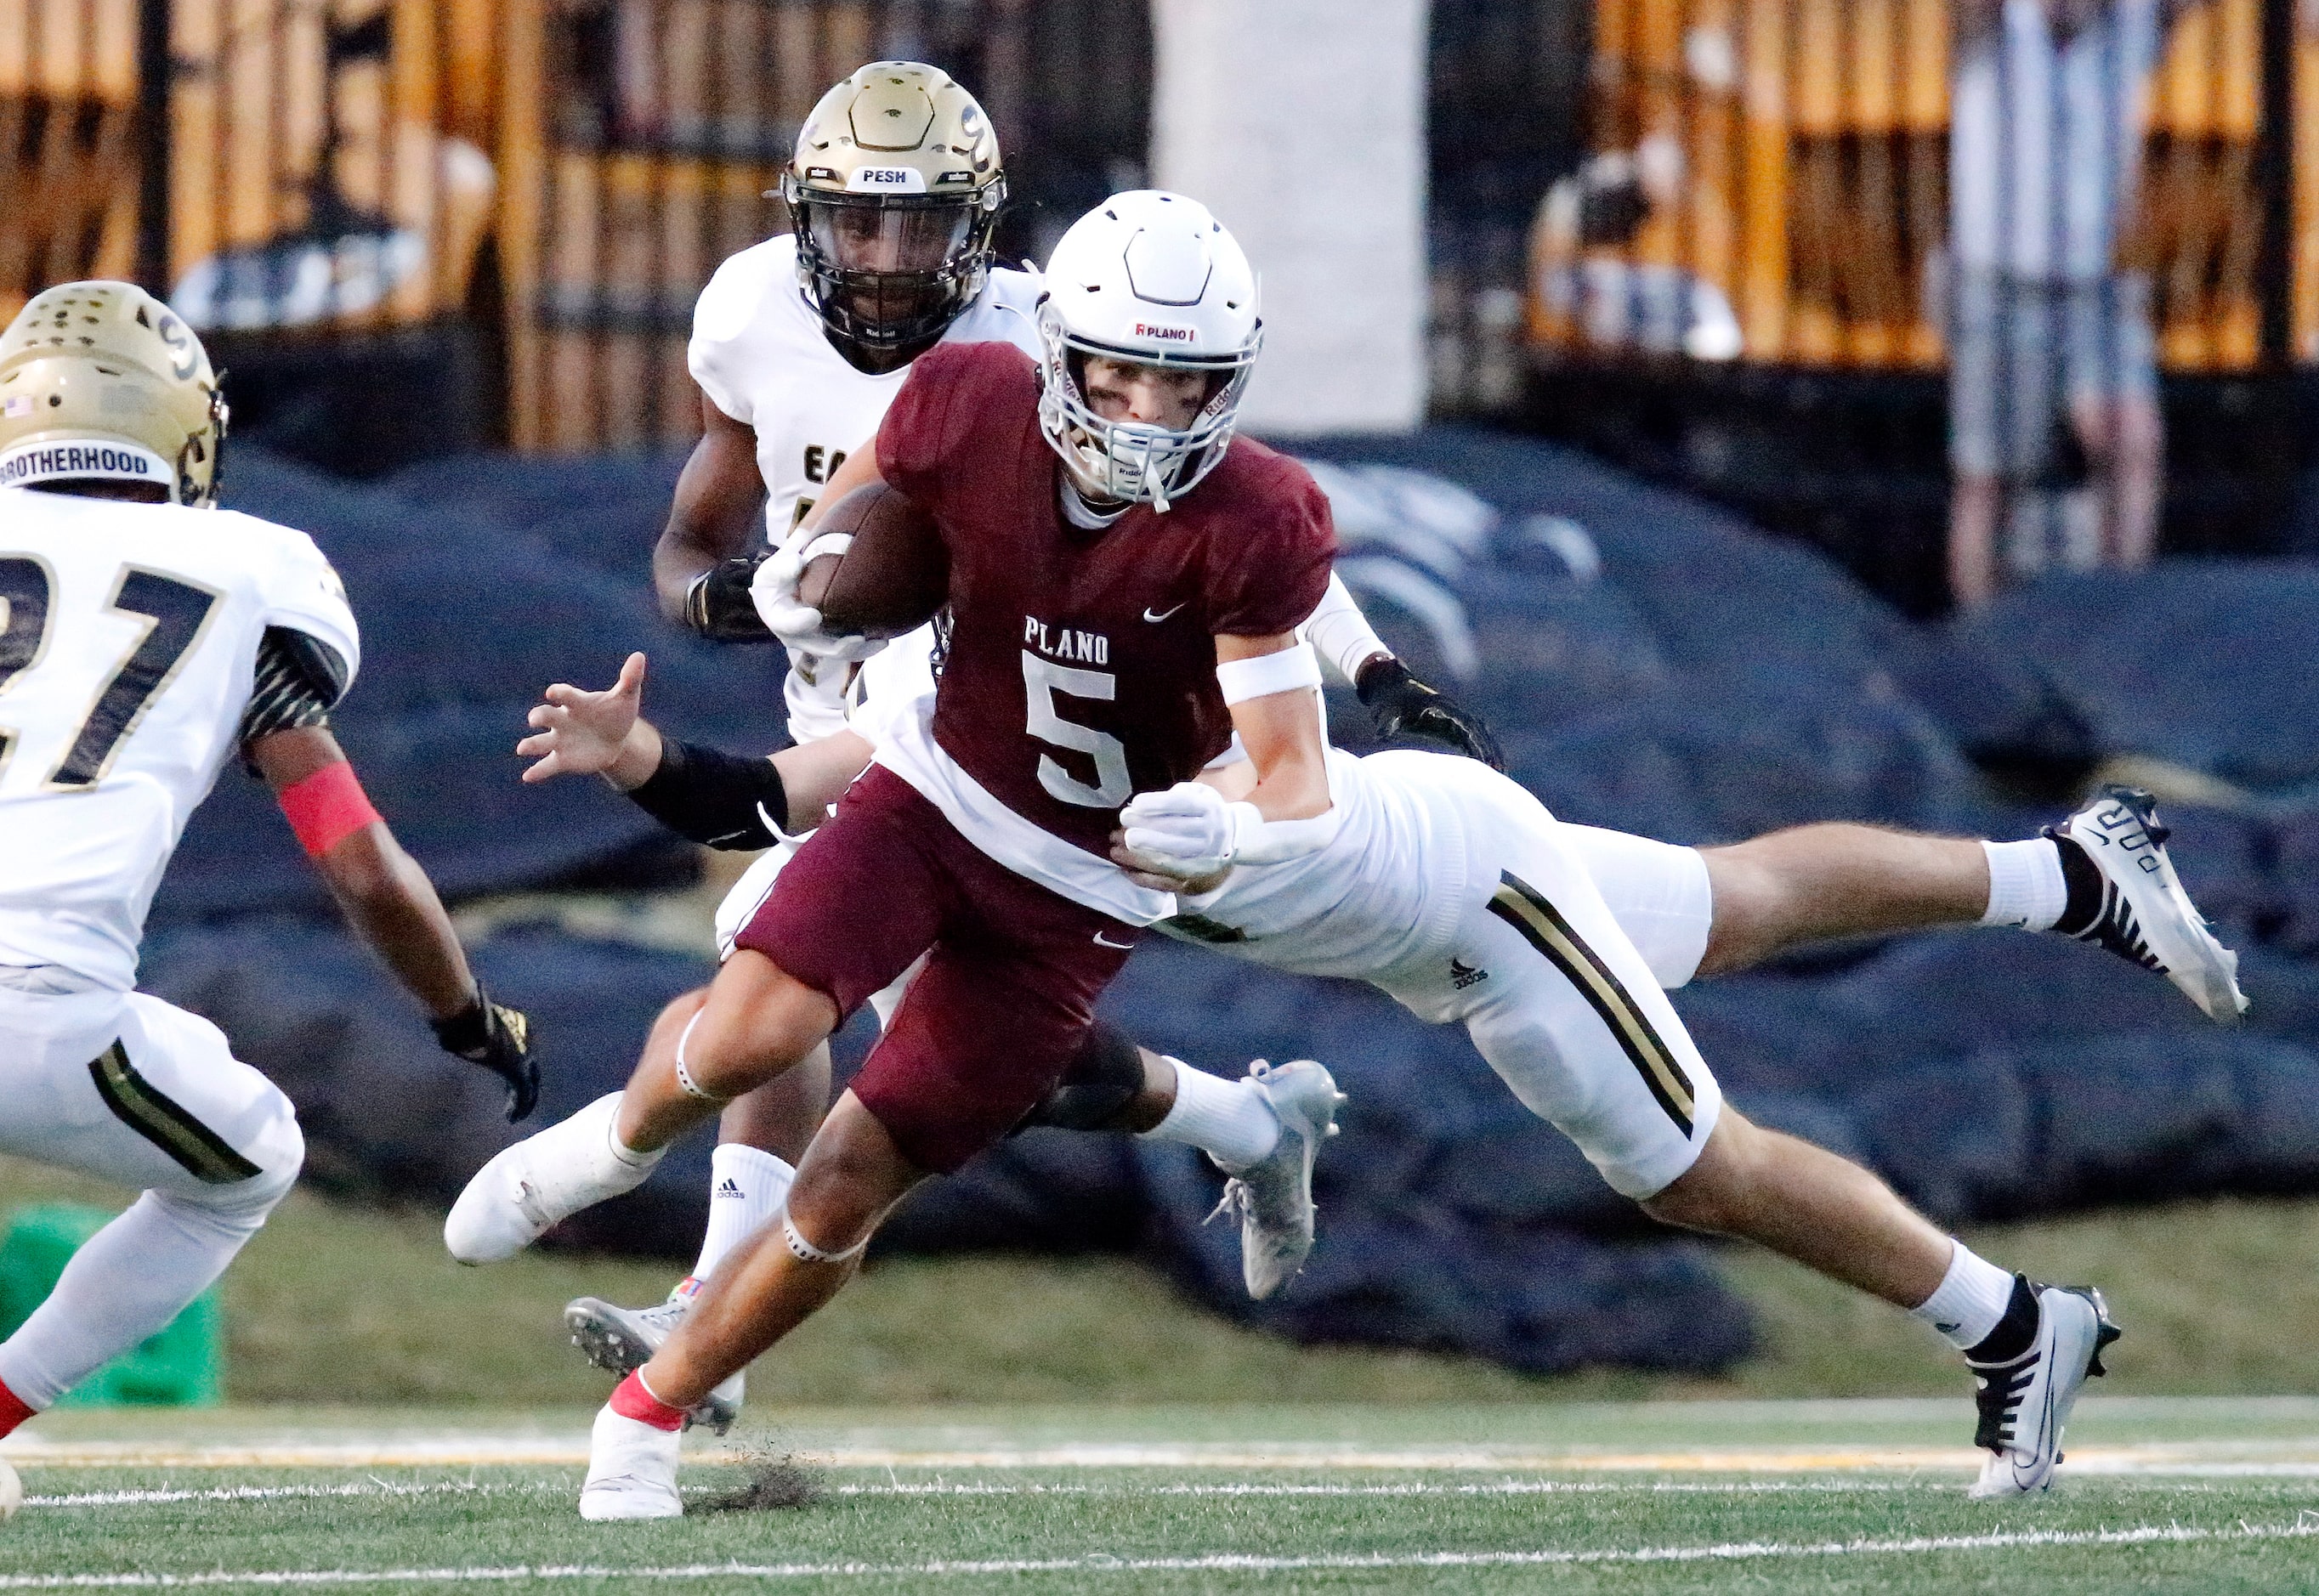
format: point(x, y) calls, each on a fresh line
point(2205, 664)
point(1650, 663)
point(465, 618)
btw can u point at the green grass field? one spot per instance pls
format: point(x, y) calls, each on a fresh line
point(401, 1423)
point(2170, 1494)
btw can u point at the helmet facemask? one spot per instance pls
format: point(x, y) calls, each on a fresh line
point(1136, 462)
point(891, 272)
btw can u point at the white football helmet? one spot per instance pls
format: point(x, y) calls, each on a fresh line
point(1148, 277)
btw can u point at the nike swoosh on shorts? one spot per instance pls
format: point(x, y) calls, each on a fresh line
point(1109, 943)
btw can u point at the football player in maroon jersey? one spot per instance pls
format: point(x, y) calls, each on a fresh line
point(1116, 625)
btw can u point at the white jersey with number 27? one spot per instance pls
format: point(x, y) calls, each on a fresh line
point(128, 639)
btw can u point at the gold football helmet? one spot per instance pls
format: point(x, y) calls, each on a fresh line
point(102, 381)
point(893, 192)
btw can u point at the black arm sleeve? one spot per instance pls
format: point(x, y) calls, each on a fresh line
point(713, 797)
point(299, 680)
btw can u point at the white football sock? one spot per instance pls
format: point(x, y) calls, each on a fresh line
point(1230, 1121)
point(2025, 884)
point(1970, 1299)
point(126, 1282)
point(747, 1187)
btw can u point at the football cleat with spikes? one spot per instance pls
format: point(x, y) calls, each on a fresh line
point(2026, 1401)
point(631, 1471)
point(623, 1340)
point(540, 1181)
point(1273, 1197)
point(2145, 916)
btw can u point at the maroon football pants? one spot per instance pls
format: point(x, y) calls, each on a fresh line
point(1011, 978)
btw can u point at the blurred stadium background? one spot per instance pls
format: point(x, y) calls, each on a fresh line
point(1612, 330)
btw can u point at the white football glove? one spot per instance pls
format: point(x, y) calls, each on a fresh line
point(1185, 832)
point(795, 622)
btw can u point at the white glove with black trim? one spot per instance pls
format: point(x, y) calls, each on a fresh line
point(1185, 832)
point(792, 621)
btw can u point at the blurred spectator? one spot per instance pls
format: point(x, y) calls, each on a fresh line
point(2055, 437)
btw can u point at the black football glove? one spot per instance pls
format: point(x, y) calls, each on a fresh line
point(718, 604)
point(497, 1037)
point(1404, 707)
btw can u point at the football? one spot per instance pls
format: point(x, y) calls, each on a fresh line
point(894, 577)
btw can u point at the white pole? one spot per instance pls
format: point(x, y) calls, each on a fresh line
point(1301, 123)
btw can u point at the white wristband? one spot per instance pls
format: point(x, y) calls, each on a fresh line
point(1259, 841)
point(1262, 675)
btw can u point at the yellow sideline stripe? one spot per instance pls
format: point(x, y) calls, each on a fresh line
point(478, 1451)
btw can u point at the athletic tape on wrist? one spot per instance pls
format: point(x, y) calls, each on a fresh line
point(1265, 674)
point(806, 1252)
point(1341, 632)
point(327, 807)
point(685, 1083)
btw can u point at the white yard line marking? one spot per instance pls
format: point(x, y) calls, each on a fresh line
point(1841, 1487)
point(88, 1499)
point(2306, 1527)
point(2300, 1461)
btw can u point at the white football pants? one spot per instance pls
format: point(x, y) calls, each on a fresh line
point(1554, 991)
point(136, 1092)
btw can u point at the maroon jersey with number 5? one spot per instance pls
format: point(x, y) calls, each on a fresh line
point(1082, 663)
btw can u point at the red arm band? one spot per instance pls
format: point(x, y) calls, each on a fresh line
point(326, 807)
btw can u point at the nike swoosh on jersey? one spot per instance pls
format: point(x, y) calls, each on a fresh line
point(1108, 943)
point(1164, 614)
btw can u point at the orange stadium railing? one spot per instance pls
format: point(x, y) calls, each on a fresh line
point(1785, 187)
point(564, 173)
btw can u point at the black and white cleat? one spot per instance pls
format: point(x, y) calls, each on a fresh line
point(2144, 915)
point(2024, 1401)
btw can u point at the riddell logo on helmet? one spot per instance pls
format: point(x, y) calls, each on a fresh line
point(1160, 333)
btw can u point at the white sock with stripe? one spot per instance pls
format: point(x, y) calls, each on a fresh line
point(1230, 1121)
point(747, 1189)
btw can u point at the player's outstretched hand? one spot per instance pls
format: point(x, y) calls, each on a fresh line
point(1404, 707)
point(579, 733)
point(1179, 840)
point(497, 1037)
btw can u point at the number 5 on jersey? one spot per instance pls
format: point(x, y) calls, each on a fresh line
point(1042, 678)
point(175, 612)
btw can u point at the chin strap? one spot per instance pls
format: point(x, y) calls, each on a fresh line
point(1157, 481)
